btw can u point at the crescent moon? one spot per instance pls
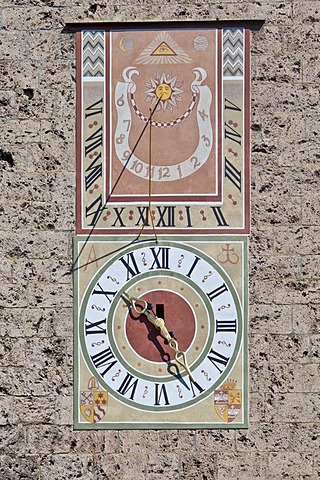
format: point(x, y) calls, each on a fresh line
point(121, 46)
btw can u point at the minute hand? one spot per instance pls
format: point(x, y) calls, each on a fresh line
point(159, 323)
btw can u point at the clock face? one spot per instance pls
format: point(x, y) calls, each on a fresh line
point(127, 352)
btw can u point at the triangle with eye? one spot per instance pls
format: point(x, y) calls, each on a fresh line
point(164, 50)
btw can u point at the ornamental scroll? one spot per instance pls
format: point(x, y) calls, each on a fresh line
point(200, 94)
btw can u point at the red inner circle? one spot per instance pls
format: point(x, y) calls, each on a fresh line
point(146, 339)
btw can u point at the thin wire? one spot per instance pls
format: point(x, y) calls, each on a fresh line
point(150, 175)
point(73, 267)
point(149, 213)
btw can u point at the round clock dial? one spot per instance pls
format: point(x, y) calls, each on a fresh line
point(128, 354)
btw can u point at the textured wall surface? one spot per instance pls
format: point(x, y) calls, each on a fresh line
point(37, 174)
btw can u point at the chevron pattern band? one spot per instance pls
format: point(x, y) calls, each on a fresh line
point(233, 53)
point(93, 54)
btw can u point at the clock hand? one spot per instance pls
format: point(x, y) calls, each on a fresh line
point(140, 307)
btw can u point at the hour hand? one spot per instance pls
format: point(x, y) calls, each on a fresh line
point(159, 324)
point(140, 307)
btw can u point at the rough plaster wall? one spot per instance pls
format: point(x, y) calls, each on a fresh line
point(37, 172)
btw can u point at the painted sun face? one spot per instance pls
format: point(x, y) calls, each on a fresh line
point(164, 91)
point(167, 88)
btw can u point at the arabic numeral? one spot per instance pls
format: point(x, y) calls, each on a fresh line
point(163, 172)
point(126, 155)
point(137, 166)
point(128, 123)
point(196, 162)
point(120, 101)
point(179, 170)
point(149, 170)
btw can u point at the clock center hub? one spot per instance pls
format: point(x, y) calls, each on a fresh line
point(146, 339)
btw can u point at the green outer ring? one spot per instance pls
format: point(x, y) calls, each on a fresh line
point(233, 292)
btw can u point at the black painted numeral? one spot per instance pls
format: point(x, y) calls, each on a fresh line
point(217, 291)
point(93, 328)
point(196, 260)
point(187, 209)
point(166, 216)
point(94, 210)
point(228, 105)
point(130, 265)
point(118, 212)
point(198, 386)
point(105, 358)
point(93, 172)
point(143, 212)
point(106, 293)
point(232, 174)
point(129, 383)
point(161, 257)
point(216, 357)
point(93, 141)
point(221, 221)
point(94, 109)
point(226, 326)
point(161, 395)
point(232, 134)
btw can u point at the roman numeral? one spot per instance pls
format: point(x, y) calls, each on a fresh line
point(232, 174)
point(232, 134)
point(94, 171)
point(103, 292)
point(93, 210)
point(218, 358)
point(131, 265)
point(199, 388)
point(104, 359)
point(94, 141)
point(160, 392)
point(166, 216)
point(94, 109)
point(228, 105)
point(221, 221)
point(128, 384)
point(93, 328)
point(218, 291)
point(163, 262)
point(226, 326)
point(189, 224)
point(196, 260)
point(143, 212)
point(118, 214)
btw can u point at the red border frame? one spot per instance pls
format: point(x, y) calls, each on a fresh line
point(79, 228)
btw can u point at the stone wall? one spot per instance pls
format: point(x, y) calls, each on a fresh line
point(37, 172)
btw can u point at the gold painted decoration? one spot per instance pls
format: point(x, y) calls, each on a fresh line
point(227, 401)
point(163, 50)
point(93, 402)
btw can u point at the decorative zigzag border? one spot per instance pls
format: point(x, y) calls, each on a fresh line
point(93, 54)
point(233, 52)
